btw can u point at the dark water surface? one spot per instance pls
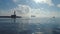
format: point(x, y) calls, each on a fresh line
point(30, 26)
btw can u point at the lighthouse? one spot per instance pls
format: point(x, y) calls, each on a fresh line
point(14, 15)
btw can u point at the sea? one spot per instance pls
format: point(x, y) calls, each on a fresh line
point(30, 25)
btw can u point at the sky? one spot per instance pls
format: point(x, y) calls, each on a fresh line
point(26, 8)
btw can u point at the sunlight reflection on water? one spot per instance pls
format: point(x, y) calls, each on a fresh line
point(32, 25)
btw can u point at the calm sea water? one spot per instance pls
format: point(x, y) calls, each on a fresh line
point(29, 25)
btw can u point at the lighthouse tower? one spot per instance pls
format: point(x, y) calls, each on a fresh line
point(14, 16)
point(14, 12)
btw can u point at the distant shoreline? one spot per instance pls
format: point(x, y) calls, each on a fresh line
point(9, 17)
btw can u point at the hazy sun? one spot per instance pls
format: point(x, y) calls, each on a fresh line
point(39, 1)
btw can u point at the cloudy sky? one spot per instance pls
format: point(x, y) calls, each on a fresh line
point(39, 8)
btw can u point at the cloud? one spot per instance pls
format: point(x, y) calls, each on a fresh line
point(40, 12)
point(23, 10)
point(58, 5)
point(49, 2)
point(44, 13)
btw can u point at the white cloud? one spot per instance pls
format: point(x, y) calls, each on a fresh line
point(58, 5)
point(40, 13)
point(49, 2)
point(44, 13)
point(23, 10)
